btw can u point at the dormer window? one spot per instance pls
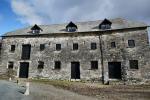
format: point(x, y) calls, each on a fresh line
point(106, 24)
point(36, 29)
point(71, 27)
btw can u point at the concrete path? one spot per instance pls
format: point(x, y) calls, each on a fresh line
point(11, 91)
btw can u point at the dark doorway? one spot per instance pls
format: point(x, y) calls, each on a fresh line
point(114, 70)
point(26, 49)
point(24, 70)
point(75, 70)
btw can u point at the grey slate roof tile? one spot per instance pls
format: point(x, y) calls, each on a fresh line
point(88, 26)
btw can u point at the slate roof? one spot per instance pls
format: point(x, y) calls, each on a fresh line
point(88, 26)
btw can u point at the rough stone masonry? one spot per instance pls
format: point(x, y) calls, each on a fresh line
point(103, 50)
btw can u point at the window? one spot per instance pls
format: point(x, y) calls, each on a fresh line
point(10, 65)
point(133, 64)
point(42, 47)
point(94, 64)
point(131, 43)
point(58, 47)
point(75, 46)
point(36, 29)
point(26, 50)
point(93, 46)
point(12, 48)
point(113, 44)
point(40, 65)
point(57, 65)
point(71, 27)
point(105, 26)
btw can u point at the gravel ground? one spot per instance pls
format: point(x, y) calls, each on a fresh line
point(39, 91)
point(11, 91)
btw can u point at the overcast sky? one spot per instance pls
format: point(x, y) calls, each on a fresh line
point(16, 14)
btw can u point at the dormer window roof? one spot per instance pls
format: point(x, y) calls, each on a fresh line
point(36, 29)
point(105, 24)
point(71, 27)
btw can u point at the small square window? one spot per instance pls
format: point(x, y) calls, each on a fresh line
point(42, 47)
point(75, 46)
point(10, 65)
point(93, 46)
point(35, 31)
point(113, 45)
point(133, 64)
point(105, 26)
point(40, 65)
point(71, 29)
point(94, 64)
point(58, 47)
point(12, 48)
point(57, 65)
point(131, 43)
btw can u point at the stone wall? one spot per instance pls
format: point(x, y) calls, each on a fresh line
point(84, 55)
point(122, 53)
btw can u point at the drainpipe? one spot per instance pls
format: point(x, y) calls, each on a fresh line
point(101, 51)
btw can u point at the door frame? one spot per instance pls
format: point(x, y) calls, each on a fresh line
point(19, 69)
point(120, 72)
point(75, 79)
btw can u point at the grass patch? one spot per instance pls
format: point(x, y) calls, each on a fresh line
point(78, 87)
point(99, 90)
point(57, 83)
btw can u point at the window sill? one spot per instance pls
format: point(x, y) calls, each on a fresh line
point(93, 69)
point(56, 69)
point(133, 69)
point(130, 47)
point(74, 51)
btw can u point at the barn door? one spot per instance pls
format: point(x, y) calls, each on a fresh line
point(75, 70)
point(114, 70)
point(24, 70)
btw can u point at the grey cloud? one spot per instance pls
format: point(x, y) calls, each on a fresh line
point(56, 11)
point(60, 11)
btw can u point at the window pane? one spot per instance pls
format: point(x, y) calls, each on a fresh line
point(57, 64)
point(131, 43)
point(105, 26)
point(36, 31)
point(133, 64)
point(12, 48)
point(58, 47)
point(75, 46)
point(71, 29)
point(42, 47)
point(113, 44)
point(93, 46)
point(10, 65)
point(94, 64)
point(40, 65)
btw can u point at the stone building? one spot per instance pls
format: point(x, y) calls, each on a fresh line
point(103, 50)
